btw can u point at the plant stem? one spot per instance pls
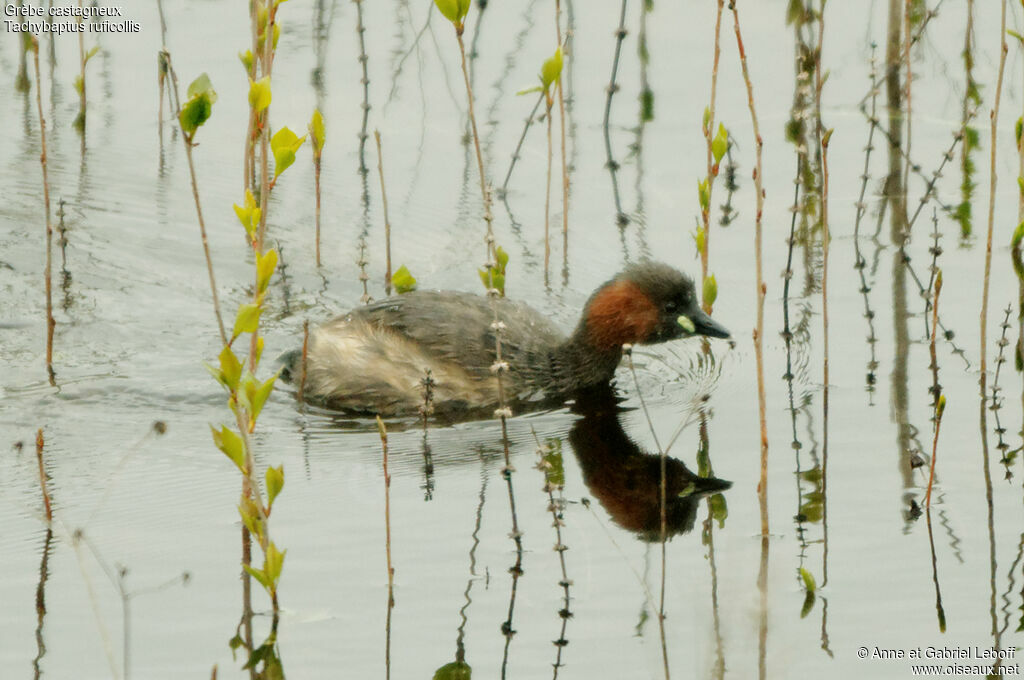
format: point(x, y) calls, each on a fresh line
point(519, 146)
point(50, 323)
point(937, 391)
point(80, 120)
point(709, 131)
point(365, 81)
point(387, 531)
point(823, 136)
point(387, 222)
point(562, 133)
point(547, 193)
point(42, 470)
point(316, 188)
point(762, 290)
point(906, 60)
point(187, 141)
point(620, 35)
point(994, 117)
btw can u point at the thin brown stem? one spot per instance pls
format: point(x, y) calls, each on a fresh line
point(50, 323)
point(364, 81)
point(187, 141)
point(712, 170)
point(994, 117)
point(42, 477)
point(80, 120)
point(519, 145)
point(387, 545)
point(387, 221)
point(562, 133)
point(940, 400)
point(627, 350)
point(316, 188)
point(907, 39)
point(500, 366)
point(547, 193)
point(762, 290)
point(556, 506)
point(824, 136)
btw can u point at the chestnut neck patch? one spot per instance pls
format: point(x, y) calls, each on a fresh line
point(620, 313)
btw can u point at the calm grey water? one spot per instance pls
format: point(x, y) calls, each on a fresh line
point(134, 326)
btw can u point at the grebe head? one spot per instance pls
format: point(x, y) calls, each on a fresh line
point(647, 303)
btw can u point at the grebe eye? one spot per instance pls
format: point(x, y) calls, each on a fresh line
point(671, 307)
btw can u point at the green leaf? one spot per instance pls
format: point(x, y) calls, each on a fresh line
point(247, 387)
point(78, 84)
point(551, 71)
point(200, 86)
point(273, 669)
point(710, 290)
point(719, 509)
point(284, 144)
point(554, 468)
point(29, 43)
point(274, 562)
point(249, 214)
point(317, 131)
point(451, 9)
point(1016, 35)
point(247, 320)
point(794, 12)
point(707, 117)
point(704, 194)
point(699, 238)
point(808, 605)
point(196, 111)
point(647, 105)
point(529, 90)
point(403, 280)
point(259, 395)
point(259, 93)
point(230, 368)
point(266, 264)
point(494, 276)
point(809, 581)
point(250, 515)
point(1018, 233)
point(275, 482)
point(491, 279)
point(90, 54)
point(940, 407)
point(456, 670)
point(259, 575)
point(720, 144)
point(259, 349)
point(246, 59)
point(228, 441)
point(217, 374)
point(502, 257)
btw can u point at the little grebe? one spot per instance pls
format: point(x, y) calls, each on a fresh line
point(373, 359)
